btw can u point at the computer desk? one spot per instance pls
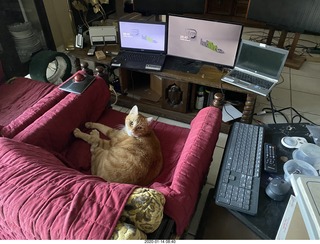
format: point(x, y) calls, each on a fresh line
point(267, 221)
point(208, 75)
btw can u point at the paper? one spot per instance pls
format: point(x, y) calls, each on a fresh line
point(229, 113)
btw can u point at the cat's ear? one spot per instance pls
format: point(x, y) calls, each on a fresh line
point(134, 110)
point(149, 119)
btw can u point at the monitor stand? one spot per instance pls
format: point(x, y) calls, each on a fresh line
point(293, 61)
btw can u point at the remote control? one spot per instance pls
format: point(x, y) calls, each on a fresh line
point(270, 159)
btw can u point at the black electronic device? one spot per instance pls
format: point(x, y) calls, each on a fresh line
point(79, 38)
point(270, 158)
point(164, 7)
point(278, 189)
point(189, 39)
point(238, 185)
point(142, 45)
point(91, 51)
point(290, 15)
point(78, 83)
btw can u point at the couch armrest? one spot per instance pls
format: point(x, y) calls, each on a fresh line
point(192, 167)
point(53, 130)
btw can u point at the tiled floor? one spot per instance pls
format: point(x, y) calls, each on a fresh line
point(299, 90)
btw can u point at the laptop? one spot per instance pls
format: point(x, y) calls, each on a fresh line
point(258, 67)
point(142, 45)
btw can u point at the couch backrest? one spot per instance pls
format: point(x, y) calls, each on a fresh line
point(16, 97)
point(32, 113)
point(54, 129)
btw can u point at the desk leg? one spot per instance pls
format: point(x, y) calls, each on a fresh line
point(248, 109)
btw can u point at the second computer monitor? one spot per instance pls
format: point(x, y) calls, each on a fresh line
point(204, 40)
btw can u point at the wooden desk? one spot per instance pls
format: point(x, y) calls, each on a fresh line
point(208, 75)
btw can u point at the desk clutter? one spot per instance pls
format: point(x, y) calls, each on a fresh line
point(266, 213)
point(187, 38)
point(242, 172)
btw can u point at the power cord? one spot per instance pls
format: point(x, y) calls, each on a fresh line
point(111, 88)
point(273, 110)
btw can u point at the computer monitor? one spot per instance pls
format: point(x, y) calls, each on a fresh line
point(164, 7)
point(290, 15)
point(203, 40)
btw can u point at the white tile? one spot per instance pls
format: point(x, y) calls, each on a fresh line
point(262, 102)
point(125, 110)
point(281, 97)
point(305, 84)
point(116, 107)
point(269, 119)
point(308, 118)
point(308, 69)
point(307, 40)
point(305, 102)
point(147, 115)
point(284, 81)
point(254, 34)
point(222, 140)
point(173, 122)
point(286, 70)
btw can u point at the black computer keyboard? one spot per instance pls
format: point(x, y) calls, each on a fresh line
point(252, 79)
point(239, 179)
point(141, 57)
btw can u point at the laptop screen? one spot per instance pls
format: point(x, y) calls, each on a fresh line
point(142, 36)
point(261, 59)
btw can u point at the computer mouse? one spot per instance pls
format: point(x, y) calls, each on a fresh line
point(278, 189)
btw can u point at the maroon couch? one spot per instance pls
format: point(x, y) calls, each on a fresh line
point(47, 191)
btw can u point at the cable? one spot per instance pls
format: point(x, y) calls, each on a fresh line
point(115, 93)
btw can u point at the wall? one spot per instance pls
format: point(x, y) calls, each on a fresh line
point(60, 23)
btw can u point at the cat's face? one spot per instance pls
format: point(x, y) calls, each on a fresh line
point(137, 125)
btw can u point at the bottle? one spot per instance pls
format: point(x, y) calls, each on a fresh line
point(200, 98)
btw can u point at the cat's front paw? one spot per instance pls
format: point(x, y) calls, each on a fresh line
point(76, 132)
point(89, 125)
point(95, 133)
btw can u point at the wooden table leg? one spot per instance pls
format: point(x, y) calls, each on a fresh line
point(248, 109)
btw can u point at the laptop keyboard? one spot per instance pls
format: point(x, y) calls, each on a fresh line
point(252, 79)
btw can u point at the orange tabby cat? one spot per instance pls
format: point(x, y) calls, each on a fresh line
point(131, 155)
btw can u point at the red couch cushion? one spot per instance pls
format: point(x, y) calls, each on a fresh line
point(19, 95)
point(33, 112)
point(43, 199)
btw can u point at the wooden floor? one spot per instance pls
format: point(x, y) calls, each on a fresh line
point(219, 224)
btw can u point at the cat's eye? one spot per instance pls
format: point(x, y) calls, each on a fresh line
point(131, 123)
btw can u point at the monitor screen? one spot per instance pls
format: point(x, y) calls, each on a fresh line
point(261, 59)
point(143, 36)
point(204, 40)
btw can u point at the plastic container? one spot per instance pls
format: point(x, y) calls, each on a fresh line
point(295, 166)
point(309, 153)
